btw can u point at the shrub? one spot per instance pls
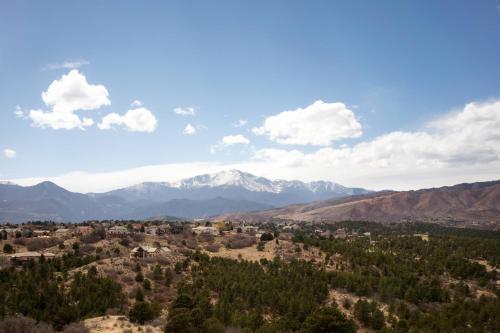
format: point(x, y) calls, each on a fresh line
point(76, 328)
point(213, 325)
point(265, 237)
point(212, 247)
point(20, 324)
point(141, 312)
point(35, 244)
point(7, 248)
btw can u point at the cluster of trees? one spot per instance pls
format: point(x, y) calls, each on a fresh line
point(45, 292)
point(404, 266)
point(369, 314)
point(397, 267)
point(291, 296)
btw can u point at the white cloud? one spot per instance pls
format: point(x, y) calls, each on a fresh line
point(135, 120)
point(71, 64)
point(240, 123)
point(318, 124)
point(64, 96)
point(463, 146)
point(230, 140)
point(452, 145)
point(136, 103)
point(189, 130)
point(20, 113)
point(9, 153)
point(187, 111)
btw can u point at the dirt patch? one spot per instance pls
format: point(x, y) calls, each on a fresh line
point(118, 324)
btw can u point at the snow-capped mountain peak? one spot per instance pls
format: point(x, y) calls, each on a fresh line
point(237, 178)
point(226, 178)
point(236, 184)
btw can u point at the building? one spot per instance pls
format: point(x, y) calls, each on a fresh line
point(136, 226)
point(31, 255)
point(205, 230)
point(84, 230)
point(326, 234)
point(117, 230)
point(40, 232)
point(340, 233)
point(62, 232)
point(249, 229)
point(146, 251)
point(153, 230)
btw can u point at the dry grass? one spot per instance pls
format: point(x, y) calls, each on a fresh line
point(118, 324)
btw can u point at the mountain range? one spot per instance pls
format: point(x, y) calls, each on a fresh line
point(464, 204)
point(200, 196)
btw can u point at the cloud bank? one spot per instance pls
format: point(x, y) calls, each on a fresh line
point(462, 146)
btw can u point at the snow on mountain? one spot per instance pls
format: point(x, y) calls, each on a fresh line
point(228, 178)
point(236, 184)
point(251, 183)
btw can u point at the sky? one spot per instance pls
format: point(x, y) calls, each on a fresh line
point(96, 95)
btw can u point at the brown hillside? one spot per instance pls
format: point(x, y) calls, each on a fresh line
point(471, 203)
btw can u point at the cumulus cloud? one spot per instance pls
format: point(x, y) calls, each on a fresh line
point(189, 130)
point(186, 111)
point(230, 140)
point(319, 124)
point(135, 120)
point(70, 64)
point(240, 123)
point(64, 96)
point(9, 153)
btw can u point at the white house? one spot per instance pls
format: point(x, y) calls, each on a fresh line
point(205, 230)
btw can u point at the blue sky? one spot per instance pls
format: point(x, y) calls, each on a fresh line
point(398, 68)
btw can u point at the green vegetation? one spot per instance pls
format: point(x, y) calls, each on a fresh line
point(46, 292)
point(292, 294)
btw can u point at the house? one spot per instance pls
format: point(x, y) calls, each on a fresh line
point(136, 226)
point(31, 255)
point(117, 230)
point(340, 234)
point(84, 230)
point(285, 236)
point(146, 251)
point(40, 232)
point(205, 230)
point(326, 234)
point(62, 232)
point(153, 230)
point(249, 229)
point(12, 231)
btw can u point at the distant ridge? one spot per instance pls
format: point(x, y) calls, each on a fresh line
point(200, 196)
point(468, 203)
